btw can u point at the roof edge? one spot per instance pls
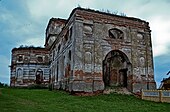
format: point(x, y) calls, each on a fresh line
point(105, 13)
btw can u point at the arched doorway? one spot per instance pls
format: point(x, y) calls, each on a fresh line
point(115, 68)
point(39, 76)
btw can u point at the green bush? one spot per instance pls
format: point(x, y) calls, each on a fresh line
point(2, 85)
point(50, 87)
point(37, 86)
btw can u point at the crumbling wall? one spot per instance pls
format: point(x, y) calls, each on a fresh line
point(61, 59)
point(29, 66)
point(93, 44)
point(93, 36)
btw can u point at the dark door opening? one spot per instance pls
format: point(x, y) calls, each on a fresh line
point(123, 77)
point(115, 67)
point(39, 77)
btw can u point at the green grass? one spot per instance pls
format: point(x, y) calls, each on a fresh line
point(26, 100)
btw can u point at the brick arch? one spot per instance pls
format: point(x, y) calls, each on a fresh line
point(39, 76)
point(118, 51)
point(116, 66)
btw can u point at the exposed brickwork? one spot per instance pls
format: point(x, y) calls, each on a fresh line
point(94, 39)
point(92, 50)
point(106, 18)
point(27, 64)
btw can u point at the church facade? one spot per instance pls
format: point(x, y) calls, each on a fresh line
point(92, 50)
point(29, 66)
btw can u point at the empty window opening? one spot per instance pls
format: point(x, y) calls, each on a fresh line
point(40, 59)
point(39, 76)
point(71, 31)
point(66, 36)
point(59, 48)
point(20, 58)
point(69, 55)
point(115, 34)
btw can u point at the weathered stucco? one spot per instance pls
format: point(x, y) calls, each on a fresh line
point(80, 52)
point(29, 65)
point(92, 50)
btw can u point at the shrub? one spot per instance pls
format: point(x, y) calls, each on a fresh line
point(2, 85)
point(37, 86)
point(50, 87)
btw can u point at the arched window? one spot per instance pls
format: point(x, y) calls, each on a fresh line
point(88, 57)
point(19, 73)
point(20, 58)
point(40, 59)
point(115, 34)
point(140, 36)
point(39, 76)
point(53, 55)
point(142, 61)
point(69, 55)
point(57, 71)
point(71, 32)
point(59, 48)
point(87, 28)
point(66, 36)
point(88, 62)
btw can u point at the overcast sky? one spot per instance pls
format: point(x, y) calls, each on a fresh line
point(23, 22)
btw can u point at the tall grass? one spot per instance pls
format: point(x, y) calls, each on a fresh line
point(42, 100)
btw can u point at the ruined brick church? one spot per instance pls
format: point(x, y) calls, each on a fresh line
point(88, 52)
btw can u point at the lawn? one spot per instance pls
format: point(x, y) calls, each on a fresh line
point(43, 100)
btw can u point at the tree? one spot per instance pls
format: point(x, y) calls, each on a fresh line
point(3, 85)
